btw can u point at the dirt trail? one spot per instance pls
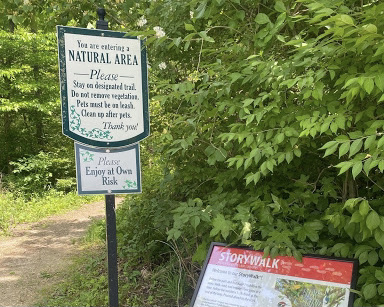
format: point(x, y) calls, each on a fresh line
point(31, 257)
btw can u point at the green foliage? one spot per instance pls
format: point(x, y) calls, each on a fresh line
point(273, 135)
point(36, 174)
point(29, 97)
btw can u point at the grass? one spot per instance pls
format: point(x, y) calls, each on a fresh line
point(85, 282)
point(15, 209)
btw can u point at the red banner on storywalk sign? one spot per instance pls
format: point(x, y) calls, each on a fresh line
point(240, 277)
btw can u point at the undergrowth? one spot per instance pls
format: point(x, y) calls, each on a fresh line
point(85, 282)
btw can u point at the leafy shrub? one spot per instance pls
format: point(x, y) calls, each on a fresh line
point(274, 133)
point(39, 173)
point(66, 184)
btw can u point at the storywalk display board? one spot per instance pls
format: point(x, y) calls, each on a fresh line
point(108, 171)
point(239, 277)
point(104, 88)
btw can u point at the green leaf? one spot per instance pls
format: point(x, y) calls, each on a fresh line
point(344, 148)
point(357, 168)
point(201, 252)
point(369, 85)
point(195, 221)
point(369, 291)
point(279, 6)
point(356, 217)
point(221, 225)
point(289, 156)
point(344, 166)
point(340, 121)
point(329, 144)
point(334, 127)
point(189, 27)
point(247, 102)
point(380, 143)
point(346, 19)
point(368, 141)
point(204, 36)
point(379, 236)
point(279, 138)
point(331, 150)
point(355, 147)
point(201, 9)
point(266, 251)
point(257, 177)
point(373, 220)
point(298, 256)
point(373, 257)
point(379, 275)
point(247, 163)
point(262, 18)
point(371, 28)
point(379, 81)
point(364, 207)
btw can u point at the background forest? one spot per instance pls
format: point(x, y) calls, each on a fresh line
point(267, 129)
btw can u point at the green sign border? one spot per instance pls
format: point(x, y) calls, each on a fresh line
point(61, 30)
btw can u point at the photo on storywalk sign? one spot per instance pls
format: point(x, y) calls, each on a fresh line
point(103, 86)
point(108, 171)
point(241, 277)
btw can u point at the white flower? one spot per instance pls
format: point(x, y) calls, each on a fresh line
point(159, 32)
point(191, 14)
point(162, 66)
point(142, 21)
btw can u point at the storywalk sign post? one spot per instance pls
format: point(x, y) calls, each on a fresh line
point(104, 103)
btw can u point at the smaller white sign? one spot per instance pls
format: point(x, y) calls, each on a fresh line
point(108, 171)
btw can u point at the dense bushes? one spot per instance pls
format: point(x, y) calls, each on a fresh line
point(273, 134)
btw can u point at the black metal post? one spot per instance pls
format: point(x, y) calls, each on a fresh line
point(112, 251)
point(101, 24)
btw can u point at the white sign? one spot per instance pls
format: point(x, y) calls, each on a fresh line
point(104, 89)
point(108, 171)
point(239, 277)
